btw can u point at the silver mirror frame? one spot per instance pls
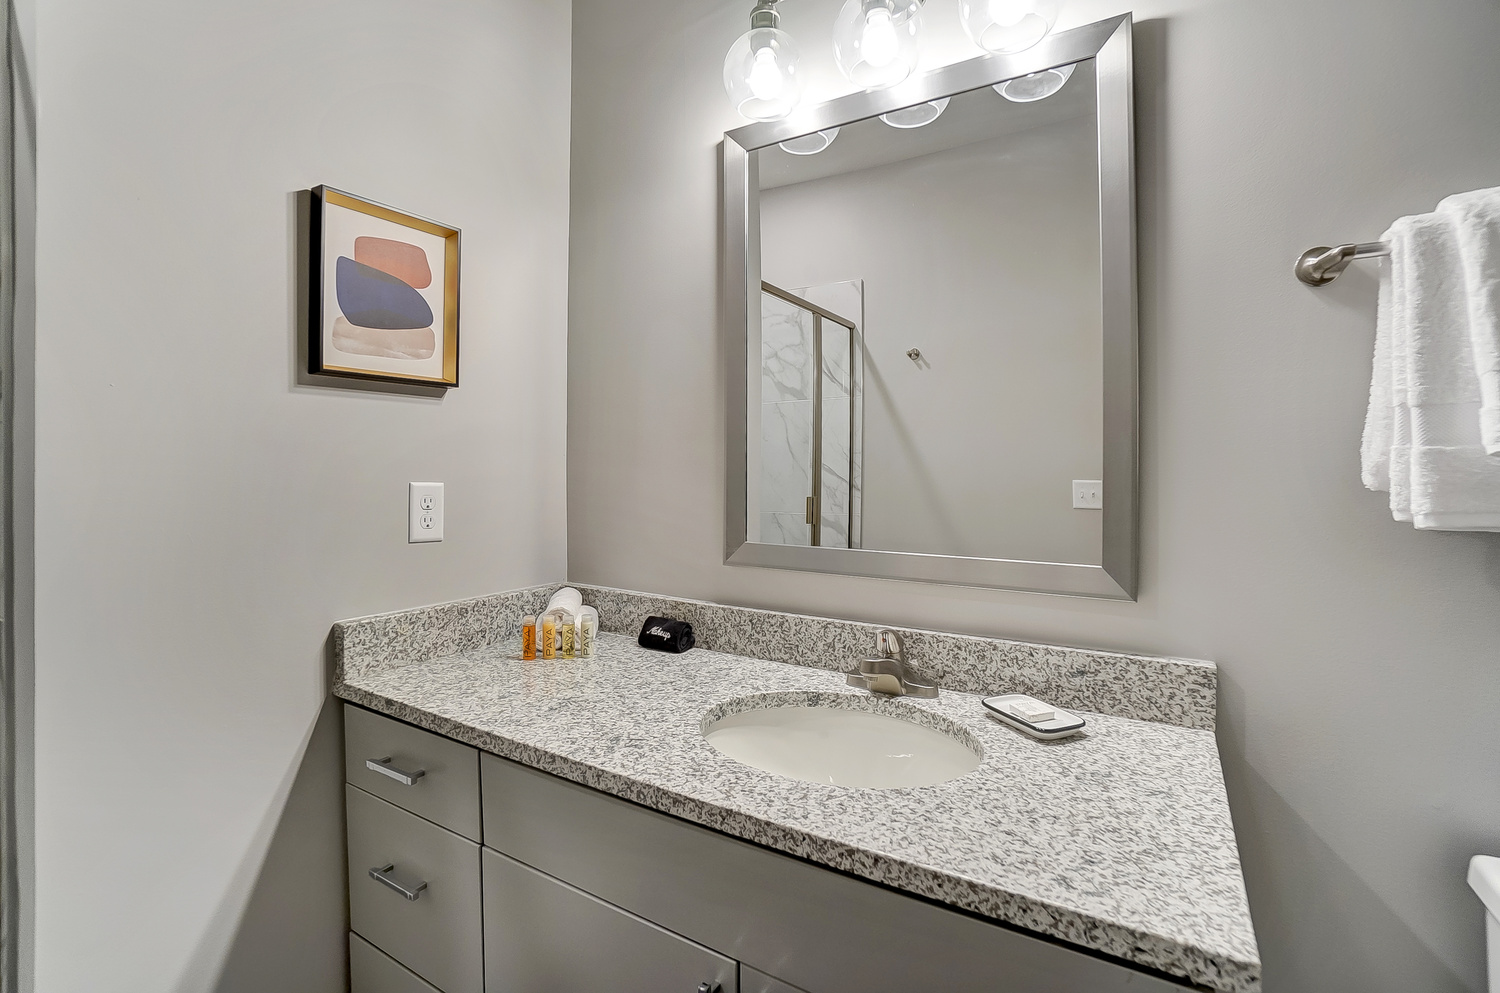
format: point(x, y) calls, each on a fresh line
point(1108, 42)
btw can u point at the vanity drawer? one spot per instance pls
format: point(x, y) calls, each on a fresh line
point(446, 792)
point(541, 934)
point(373, 971)
point(433, 928)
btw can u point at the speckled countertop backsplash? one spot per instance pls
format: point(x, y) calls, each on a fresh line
point(1170, 691)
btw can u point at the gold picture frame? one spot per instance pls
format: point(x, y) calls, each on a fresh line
point(379, 311)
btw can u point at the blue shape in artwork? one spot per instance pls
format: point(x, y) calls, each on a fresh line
point(370, 298)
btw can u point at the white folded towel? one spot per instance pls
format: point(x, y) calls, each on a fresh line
point(1476, 218)
point(1380, 417)
point(1422, 430)
point(567, 599)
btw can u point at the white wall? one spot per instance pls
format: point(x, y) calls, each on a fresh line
point(973, 450)
point(203, 517)
point(1360, 659)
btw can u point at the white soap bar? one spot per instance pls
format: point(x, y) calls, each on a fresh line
point(1032, 710)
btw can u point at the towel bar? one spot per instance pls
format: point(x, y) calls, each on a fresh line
point(1321, 266)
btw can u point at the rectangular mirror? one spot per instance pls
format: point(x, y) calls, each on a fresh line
point(931, 323)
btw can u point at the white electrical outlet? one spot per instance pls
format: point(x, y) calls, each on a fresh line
point(1088, 494)
point(424, 517)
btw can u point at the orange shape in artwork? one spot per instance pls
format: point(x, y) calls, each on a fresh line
point(407, 263)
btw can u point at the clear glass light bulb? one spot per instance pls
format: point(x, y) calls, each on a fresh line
point(875, 41)
point(762, 75)
point(765, 76)
point(1007, 26)
point(1034, 86)
point(919, 116)
point(810, 144)
point(1007, 13)
point(880, 41)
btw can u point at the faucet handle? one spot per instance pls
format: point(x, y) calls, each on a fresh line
point(888, 645)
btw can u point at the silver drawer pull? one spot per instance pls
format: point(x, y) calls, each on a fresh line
point(383, 876)
point(709, 988)
point(384, 767)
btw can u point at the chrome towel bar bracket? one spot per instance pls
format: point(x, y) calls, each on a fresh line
point(1321, 266)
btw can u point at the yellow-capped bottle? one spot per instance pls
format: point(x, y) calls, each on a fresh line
point(549, 636)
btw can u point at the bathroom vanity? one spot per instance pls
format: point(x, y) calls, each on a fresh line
point(572, 829)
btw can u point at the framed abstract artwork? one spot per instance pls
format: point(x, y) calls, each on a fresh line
point(384, 293)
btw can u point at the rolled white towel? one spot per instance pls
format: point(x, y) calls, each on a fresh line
point(567, 599)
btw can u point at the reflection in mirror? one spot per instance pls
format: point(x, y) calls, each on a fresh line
point(928, 374)
point(810, 406)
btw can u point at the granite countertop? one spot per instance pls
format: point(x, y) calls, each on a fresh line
point(1118, 839)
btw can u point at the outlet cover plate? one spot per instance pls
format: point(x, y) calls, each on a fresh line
point(424, 513)
point(1088, 494)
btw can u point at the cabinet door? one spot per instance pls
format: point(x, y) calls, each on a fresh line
point(424, 910)
point(821, 931)
point(758, 982)
point(543, 936)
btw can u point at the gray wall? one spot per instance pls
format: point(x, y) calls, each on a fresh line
point(202, 517)
point(972, 451)
point(1360, 659)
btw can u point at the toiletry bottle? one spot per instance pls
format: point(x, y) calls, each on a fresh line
point(566, 629)
point(549, 636)
point(587, 624)
point(528, 637)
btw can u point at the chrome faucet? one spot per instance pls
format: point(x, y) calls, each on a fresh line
point(887, 671)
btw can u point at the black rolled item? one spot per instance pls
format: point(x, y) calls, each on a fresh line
point(663, 634)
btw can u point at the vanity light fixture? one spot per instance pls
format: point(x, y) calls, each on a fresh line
point(915, 117)
point(875, 41)
point(761, 70)
point(1008, 26)
point(810, 144)
point(1035, 86)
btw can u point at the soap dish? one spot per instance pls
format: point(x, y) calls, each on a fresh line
point(1032, 716)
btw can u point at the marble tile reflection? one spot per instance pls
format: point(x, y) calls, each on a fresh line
point(785, 529)
point(786, 456)
point(786, 349)
point(836, 353)
point(835, 503)
point(847, 300)
point(857, 463)
point(833, 532)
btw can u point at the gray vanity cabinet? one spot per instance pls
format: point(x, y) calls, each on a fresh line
point(543, 935)
point(576, 891)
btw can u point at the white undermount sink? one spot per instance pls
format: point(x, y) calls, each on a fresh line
point(846, 744)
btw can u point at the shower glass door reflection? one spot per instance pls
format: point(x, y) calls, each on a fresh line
point(808, 420)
